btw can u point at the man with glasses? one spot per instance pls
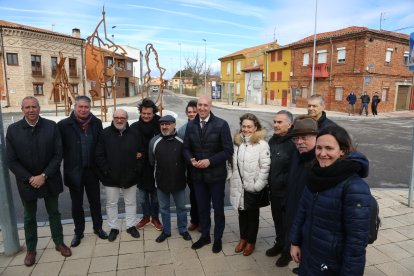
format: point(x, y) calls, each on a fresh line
point(166, 156)
point(116, 159)
point(303, 136)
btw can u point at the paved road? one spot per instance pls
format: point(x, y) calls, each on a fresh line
point(386, 142)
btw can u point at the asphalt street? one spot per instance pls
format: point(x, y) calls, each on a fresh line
point(387, 143)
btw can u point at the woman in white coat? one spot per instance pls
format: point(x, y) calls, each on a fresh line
point(250, 170)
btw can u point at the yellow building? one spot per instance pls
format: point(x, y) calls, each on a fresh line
point(277, 75)
point(242, 74)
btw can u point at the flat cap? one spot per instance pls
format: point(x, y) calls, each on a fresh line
point(167, 119)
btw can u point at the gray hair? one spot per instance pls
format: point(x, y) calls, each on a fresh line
point(121, 110)
point(82, 98)
point(318, 97)
point(288, 115)
point(31, 98)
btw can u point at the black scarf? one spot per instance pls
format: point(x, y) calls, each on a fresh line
point(321, 179)
point(149, 129)
point(307, 158)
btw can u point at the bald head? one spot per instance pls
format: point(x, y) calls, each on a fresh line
point(204, 107)
point(120, 119)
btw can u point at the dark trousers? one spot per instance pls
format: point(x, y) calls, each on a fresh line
point(205, 194)
point(30, 222)
point(90, 184)
point(364, 106)
point(193, 202)
point(278, 219)
point(249, 224)
point(374, 109)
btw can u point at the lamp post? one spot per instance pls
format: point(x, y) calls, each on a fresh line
point(314, 49)
point(205, 66)
point(181, 86)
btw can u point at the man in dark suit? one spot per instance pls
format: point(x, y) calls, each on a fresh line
point(207, 146)
point(80, 132)
point(34, 152)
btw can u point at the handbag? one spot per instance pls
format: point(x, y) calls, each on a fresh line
point(253, 200)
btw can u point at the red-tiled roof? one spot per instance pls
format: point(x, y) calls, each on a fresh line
point(258, 67)
point(12, 25)
point(348, 31)
point(251, 49)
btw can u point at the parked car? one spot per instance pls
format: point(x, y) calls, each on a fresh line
point(155, 89)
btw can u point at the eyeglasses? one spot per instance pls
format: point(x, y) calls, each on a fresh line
point(302, 137)
point(119, 118)
point(166, 124)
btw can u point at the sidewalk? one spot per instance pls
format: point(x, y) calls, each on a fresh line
point(392, 254)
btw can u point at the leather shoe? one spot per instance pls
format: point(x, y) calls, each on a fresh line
point(113, 234)
point(274, 251)
point(201, 242)
point(192, 227)
point(248, 250)
point(162, 237)
point(240, 247)
point(30, 258)
point(186, 236)
point(76, 240)
point(217, 246)
point(295, 270)
point(133, 232)
point(101, 234)
point(284, 259)
point(64, 250)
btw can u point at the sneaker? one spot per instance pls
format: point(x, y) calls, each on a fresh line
point(274, 251)
point(144, 221)
point(284, 259)
point(156, 223)
point(162, 237)
point(186, 236)
point(133, 232)
point(113, 234)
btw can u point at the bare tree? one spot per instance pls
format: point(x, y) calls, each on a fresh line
point(195, 65)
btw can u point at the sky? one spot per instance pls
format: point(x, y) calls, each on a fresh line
point(209, 29)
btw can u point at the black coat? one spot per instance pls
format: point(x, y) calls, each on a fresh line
point(33, 151)
point(323, 121)
point(215, 144)
point(146, 132)
point(281, 150)
point(116, 157)
point(72, 149)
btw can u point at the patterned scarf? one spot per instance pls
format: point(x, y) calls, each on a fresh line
point(84, 123)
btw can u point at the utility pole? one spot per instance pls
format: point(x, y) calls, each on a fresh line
point(205, 66)
point(381, 19)
point(181, 86)
point(314, 49)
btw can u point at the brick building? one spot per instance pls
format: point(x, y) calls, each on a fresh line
point(29, 58)
point(354, 59)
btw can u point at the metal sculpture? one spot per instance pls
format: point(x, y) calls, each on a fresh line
point(103, 74)
point(147, 77)
point(61, 88)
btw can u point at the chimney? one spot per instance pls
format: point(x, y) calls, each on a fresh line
point(76, 32)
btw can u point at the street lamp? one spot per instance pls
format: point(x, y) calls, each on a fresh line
point(181, 87)
point(314, 49)
point(205, 66)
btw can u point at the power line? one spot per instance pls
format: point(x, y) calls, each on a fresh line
point(400, 29)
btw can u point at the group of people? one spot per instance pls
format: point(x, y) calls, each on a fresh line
point(365, 100)
point(305, 165)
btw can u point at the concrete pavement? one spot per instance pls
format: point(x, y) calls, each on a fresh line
point(392, 254)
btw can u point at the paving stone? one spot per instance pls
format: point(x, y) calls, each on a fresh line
point(373, 271)
point(131, 247)
point(83, 251)
point(408, 264)
point(188, 267)
point(20, 270)
point(157, 258)
point(393, 268)
point(42, 269)
point(5, 260)
point(106, 249)
point(177, 244)
point(215, 264)
point(239, 263)
point(131, 272)
point(183, 256)
point(75, 267)
point(375, 256)
point(128, 261)
point(103, 264)
point(394, 251)
point(152, 245)
point(19, 257)
point(393, 235)
point(160, 270)
point(51, 255)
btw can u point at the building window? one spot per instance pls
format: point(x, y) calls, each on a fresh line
point(406, 58)
point(322, 54)
point(129, 66)
point(12, 59)
point(238, 67)
point(384, 94)
point(388, 54)
point(53, 65)
point(75, 88)
point(279, 76)
point(38, 89)
point(237, 88)
point(228, 68)
point(272, 95)
point(279, 55)
point(121, 64)
point(304, 92)
point(272, 76)
point(341, 55)
point(339, 92)
point(109, 61)
point(36, 65)
point(272, 56)
point(305, 59)
point(73, 71)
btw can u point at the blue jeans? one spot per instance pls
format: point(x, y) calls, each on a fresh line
point(149, 203)
point(179, 199)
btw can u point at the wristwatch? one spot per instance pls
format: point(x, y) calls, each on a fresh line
point(44, 175)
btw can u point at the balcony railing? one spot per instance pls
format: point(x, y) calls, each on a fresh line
point(74, 73)
point(38, 71)
point(321, 70)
